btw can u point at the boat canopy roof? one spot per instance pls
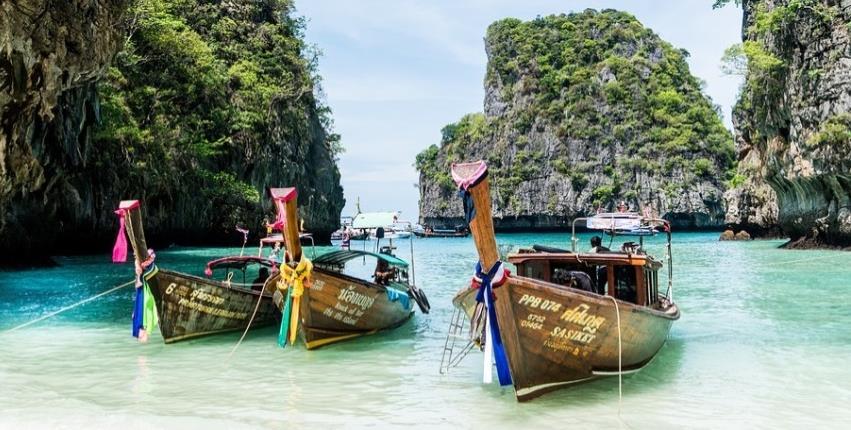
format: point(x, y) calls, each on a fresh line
point(240, 263)
point(624, 223)
point(339, 257)
point(374, 219)
point(278, 237)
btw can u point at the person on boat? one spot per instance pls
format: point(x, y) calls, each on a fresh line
point(262, 276)
point(275, 253)
point(347, 239)
point(384, 273)
point(597, 245)
point(622, 207)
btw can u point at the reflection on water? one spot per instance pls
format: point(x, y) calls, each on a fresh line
point(763, 342)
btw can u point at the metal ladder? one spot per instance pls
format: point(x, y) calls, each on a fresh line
point(450, 358)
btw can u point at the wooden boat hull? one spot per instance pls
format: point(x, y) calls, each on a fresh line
point(189, 306)
point(336, 307)
point(555, 336)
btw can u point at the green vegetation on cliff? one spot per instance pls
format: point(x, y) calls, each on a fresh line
point(595, 97)
point(214, 99)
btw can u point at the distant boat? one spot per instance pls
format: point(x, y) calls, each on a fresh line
point(566, 316)
point(190, 306)
point(330, 305)
point(460, 231)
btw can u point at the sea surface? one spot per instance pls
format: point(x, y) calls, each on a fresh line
point(764, 342)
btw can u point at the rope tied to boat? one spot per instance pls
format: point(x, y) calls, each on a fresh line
point(69, 307)
point(292, 280)
point(494, 277)
point(620, 357)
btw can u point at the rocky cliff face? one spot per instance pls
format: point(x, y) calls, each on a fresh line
point(794, 118)
point(51, 55)
point(580, 111)
point(195, 107)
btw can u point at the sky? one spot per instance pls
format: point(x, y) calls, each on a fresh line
point(395, 72)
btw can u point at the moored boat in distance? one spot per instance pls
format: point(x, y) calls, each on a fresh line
point(189, 306)
point(323, 303)
point(566, 316)
point(458, 231)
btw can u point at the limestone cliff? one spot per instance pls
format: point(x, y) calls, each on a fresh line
point(580, 111)
point(793, 119)
point(193, 106)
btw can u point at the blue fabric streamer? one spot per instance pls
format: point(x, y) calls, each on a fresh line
point(469, 206)
point(285, 320)
point(398, 296)
point(138, 311)
point(485, 296)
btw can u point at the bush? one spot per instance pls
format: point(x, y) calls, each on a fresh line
point(702, 167)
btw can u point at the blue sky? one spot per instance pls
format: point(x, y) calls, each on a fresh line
point(396, 71)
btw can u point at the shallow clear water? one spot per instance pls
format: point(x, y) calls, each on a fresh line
point(764, 342)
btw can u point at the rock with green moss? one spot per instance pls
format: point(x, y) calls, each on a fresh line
point(793, 120)
point(580, 111)
point(204, 106)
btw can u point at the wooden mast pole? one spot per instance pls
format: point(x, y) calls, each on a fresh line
point(291, 234)
point(286, 201)
point(135, 229)
point(481, 226)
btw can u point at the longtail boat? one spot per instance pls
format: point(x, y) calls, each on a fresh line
point(189, 306)
point(323, 303)
point(566, 316)
point(439, 232)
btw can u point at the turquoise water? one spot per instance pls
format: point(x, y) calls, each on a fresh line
point(764, 342)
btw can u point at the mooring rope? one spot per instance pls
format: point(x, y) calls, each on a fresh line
point(247, 327)
point(620, 360)
point(27, 324)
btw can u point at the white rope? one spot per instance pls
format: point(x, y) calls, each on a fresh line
point(620, 356)
point(251, 320)
point(27, 324)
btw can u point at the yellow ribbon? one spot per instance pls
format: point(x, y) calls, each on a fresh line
point(295, 278)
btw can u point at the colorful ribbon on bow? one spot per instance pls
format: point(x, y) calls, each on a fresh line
point(292, 279)
point(145, 317)
point(119, 251)
point(485, 296)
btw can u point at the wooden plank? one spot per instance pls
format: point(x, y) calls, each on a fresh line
point(640, 288)
point(136, 233)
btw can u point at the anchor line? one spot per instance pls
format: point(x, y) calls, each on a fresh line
point(69, 307)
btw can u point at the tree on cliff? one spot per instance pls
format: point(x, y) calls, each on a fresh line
point(218, 99)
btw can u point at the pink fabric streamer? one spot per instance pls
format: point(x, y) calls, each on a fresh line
point(464, 183)
point(119, 251)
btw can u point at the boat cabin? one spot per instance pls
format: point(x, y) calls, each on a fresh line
point(630, 275)
point(368, 265)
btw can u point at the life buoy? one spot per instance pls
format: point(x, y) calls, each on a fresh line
point(419, 296)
